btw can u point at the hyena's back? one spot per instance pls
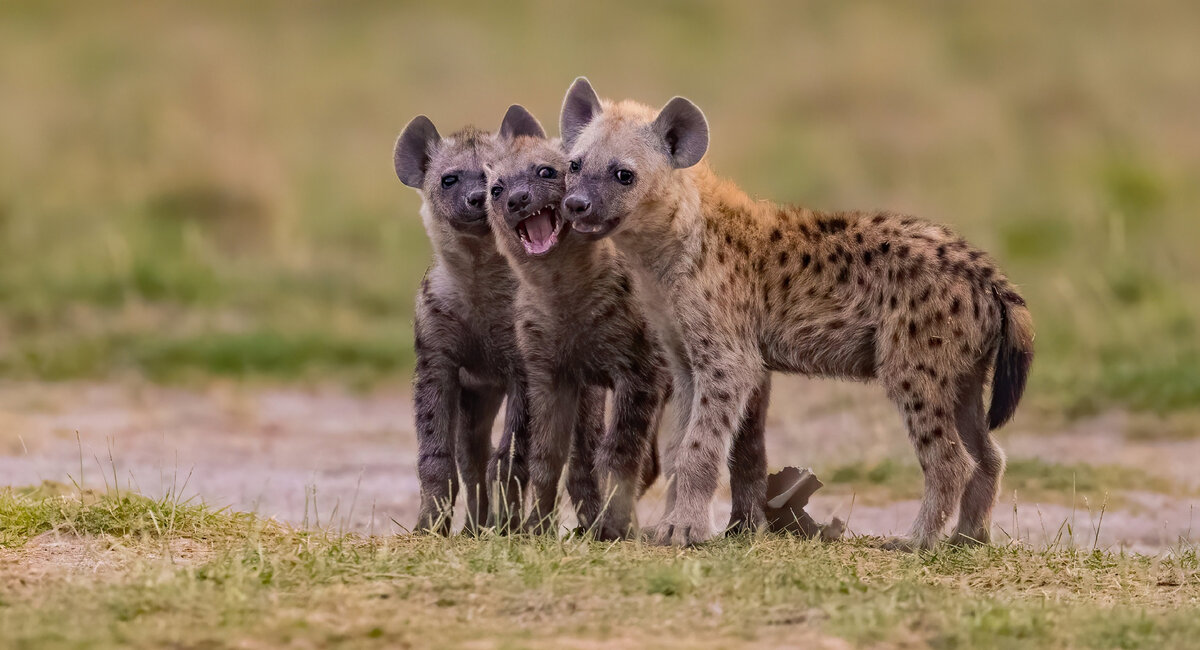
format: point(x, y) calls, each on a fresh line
point(863, 295)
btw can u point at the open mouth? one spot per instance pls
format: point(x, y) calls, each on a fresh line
point(539, 231)
point(595, 230)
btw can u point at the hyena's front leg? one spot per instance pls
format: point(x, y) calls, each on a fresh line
point(581, 475)
point(553, 409)
point(748, 464)
point(436, 395)
point(722, 389)
point(477, 411)
point(635, 409)
point(508, 472)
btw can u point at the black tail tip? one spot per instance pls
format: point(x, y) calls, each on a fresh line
point(1008, 384)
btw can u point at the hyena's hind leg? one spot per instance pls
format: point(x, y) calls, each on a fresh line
point(979, 497)
point(748, 464)
point(929, 415)
point(477, 411)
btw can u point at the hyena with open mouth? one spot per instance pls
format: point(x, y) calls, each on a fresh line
point(580, 331)
point(466, 348)
point(743, 287)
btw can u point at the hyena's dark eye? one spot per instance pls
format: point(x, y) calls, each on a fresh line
point(547, 172)
point(624, 176)
point(574, 167)
point(496, 190)
point(449, 180)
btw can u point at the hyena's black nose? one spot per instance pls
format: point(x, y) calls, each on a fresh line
point(577, 205)
point(475, 198)
point(518, 200)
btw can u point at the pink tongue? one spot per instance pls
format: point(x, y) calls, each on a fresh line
point(539, 228)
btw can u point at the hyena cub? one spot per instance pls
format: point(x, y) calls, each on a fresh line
point(579, 329)
point(746, 287)
point(466, 348)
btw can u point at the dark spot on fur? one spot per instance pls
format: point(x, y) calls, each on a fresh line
point(902, 251)
point(843, 275)
point(935, 341)
point(787, 282)
point(974, 255)
point(818, 268)
point(718, 374)
point(938, 432)
point(883, 248)
point(783, 257)
point(704, 400)
point(805, 260)
point(836, 323)
point(776, 235)
point(906, 385)
point(925, 294)
point(858, 237)
point(893, 302)
point(955, 305)
point(878, 219)
point(867, 257)
point(918, 406)
point(912, 329)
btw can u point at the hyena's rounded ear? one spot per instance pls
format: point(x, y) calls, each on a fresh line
point(580, 107)
point(684, 132)
point(411, 156)
point(518, 122)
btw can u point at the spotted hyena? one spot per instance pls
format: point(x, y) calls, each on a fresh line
point(466, 347)
point(744, 287)
point(579, 328)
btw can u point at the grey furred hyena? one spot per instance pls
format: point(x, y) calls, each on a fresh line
point(744, 287)
point(579, 328)
point(467, 356)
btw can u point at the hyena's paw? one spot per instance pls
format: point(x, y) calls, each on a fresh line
point(683, 531)
point(433, 520)
point(971, 538)
point(607, 532)
point(908, 544)
point(746, 523)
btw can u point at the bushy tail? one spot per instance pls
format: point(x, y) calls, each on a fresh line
point(1014, 356)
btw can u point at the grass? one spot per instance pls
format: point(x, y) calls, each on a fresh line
point(260, 584)
point(197, 190)
point(1031, 479)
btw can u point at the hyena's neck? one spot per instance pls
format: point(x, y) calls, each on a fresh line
point(668, 246)
point(470, 259)
point(567, 276)
point(665, 239)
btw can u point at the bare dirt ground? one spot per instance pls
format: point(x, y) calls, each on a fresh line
point(323, 456)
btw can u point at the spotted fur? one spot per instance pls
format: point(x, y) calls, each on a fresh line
point(743, 287)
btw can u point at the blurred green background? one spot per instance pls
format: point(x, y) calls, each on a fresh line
point(199, 190)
